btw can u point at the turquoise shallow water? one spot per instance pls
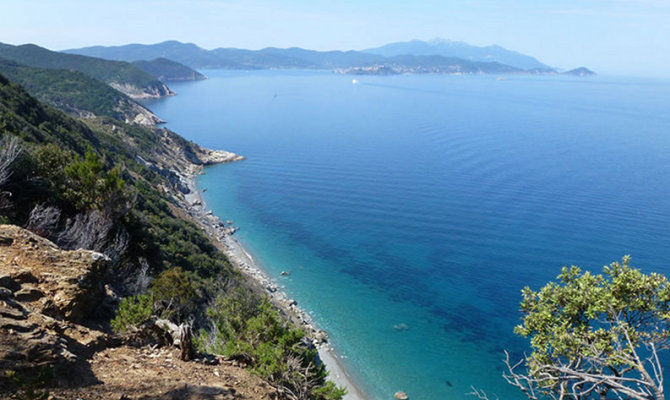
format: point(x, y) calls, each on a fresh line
point(430, 201)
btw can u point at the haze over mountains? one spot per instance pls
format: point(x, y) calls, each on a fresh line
point(449, 48)
point(441, 56)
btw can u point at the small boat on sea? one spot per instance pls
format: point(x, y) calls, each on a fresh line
point(354, 81)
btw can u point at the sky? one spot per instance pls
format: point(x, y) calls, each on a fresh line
point(616, 37)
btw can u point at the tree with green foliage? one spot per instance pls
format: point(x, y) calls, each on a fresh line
point(594, 336)
point(93, 187)
point(175, 294)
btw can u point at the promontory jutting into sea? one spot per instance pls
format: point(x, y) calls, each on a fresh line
point(225, 216)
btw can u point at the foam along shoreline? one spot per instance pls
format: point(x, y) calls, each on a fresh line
point(221, 233)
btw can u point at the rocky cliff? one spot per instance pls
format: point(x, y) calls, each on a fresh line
point(45, 293)
point(142, 92)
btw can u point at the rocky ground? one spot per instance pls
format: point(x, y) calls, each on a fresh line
point(148, 373)
point(50, 300)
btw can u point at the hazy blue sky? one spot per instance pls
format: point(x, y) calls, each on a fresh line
point(611, 36)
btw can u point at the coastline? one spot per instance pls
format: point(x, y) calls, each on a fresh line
point(221, 234)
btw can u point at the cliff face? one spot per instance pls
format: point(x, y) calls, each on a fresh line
point(142, 92)
point(138, 114)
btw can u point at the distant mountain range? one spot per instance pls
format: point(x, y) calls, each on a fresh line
point(230, 58)
point(448, 48)
point(436, 56)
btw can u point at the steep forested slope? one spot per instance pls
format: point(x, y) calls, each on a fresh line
point(121, 75)
point(77, 93)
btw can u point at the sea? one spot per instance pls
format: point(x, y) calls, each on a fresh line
point(411, 210)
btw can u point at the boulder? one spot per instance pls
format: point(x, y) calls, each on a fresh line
point(33, 267)
point(44, 292)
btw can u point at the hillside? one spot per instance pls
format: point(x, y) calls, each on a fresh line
point(430, 64)
point(167, 70)
point(122, 76)
point(77, 93)
point(290, 58)
point(229, 58)
point(448, 48)
point(116, 193)
point(184, 53)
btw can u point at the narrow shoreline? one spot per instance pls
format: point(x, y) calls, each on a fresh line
point(222, 234)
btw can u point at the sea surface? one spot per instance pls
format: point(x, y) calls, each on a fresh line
point(411, 210)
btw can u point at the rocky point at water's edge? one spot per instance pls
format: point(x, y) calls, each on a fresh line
point(221, 234)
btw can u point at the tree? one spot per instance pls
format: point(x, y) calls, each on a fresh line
point(90, 186)
point(175, 293)
point(594, 336)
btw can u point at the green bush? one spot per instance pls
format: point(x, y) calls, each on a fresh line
point(176, 293)
point(90, 186)
point(329, 391)
point(252, 330)
point(133, 311)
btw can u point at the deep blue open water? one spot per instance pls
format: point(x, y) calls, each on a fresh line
point(430, 201)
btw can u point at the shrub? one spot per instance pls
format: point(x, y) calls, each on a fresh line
point(329, 391)
point(252, 330)
point(176, 293)
point(133, 311)
point(91, 187)
point(50, 162)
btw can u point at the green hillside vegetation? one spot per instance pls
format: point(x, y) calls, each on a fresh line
point(167, 70)
point(72, 91)
point(97, 184)
point(55, 142)
point(110, 72)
